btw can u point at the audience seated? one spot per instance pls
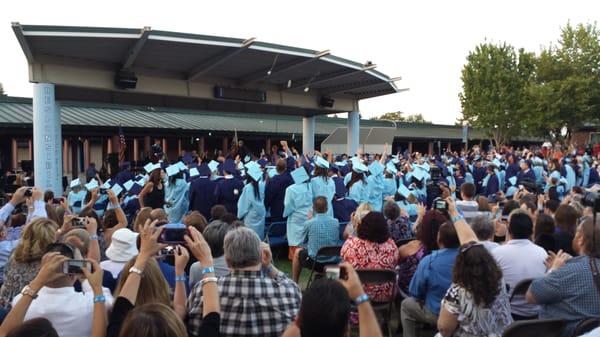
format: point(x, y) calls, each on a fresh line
point(251, 305)
point(430, 283)
point(320, 231)
point(520, 259)
point(483, 227)
point(214, 234)
point(398, 221)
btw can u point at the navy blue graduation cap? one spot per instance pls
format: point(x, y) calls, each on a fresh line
point(229, 166)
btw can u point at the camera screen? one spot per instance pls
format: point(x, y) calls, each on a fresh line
point(440, 204)
point(75, 266)
point(173, 235)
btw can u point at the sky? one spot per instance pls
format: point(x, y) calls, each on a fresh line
point(424, 42)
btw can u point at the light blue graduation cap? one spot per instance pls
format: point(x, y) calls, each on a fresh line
point(182, 166)
point(151, 167)
point(390, 167)
point(128, 184)
point(376, 168)
point(404, 191)
point(300, 175)
point(418, 174)
point(106, 184)
point(255, 172)
point(511, 191)
point(426, 167)
point(496, 162)
point(213, 165)
point(75, 183)
point(358, 166)
point(271, 171)
point(117, 189)
point(341, 163)
point(252, 165)
point(194, 172)
point(91, 185)
point(321, 162)
point(395, 160)
point(512, 180)
point(172, 170)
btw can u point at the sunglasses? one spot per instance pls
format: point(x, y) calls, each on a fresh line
point(469, 245)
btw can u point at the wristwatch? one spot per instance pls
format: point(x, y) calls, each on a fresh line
point(136, 271)
point(28, 291)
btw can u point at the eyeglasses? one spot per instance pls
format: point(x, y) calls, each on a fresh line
point(469, 245)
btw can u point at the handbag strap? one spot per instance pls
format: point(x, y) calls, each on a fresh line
point(595, 273)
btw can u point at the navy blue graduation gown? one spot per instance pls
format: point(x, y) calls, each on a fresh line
point(227, 193)
point(124, 176)
point(275, 194)
point(493, 185)
point(202, 195)
point(512, 171)
point(525, 175)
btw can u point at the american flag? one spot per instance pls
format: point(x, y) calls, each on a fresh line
point(122, 145)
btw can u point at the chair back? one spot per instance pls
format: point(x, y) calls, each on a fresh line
point(535, 328)
point(521, 288)
point(376, 276)
point(329, 251)
point(586, 326)
point(402, 242)
point(276, 233)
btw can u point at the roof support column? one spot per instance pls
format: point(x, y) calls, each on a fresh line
point(353, 132)
point(47, 139)
point(15, 154)
point(136, 149)
point(308, 134)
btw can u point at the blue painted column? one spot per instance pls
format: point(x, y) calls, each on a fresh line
point(47, 138)
point(353, 132)
point(308, 134)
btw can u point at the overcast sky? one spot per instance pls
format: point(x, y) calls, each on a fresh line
point(424, 42)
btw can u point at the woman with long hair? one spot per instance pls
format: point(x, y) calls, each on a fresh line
point(357, 185)
point(153, 193)
point(176, 196)
point(476, 304)
point(322, 185)
point(251, 205)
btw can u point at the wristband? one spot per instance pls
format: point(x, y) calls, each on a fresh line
point(361, 299)
point(457, 218)
point(99, 299)
point(180, 278)
point(203, 282)
point(93, 237)
point(136, 271)
point(207, 270)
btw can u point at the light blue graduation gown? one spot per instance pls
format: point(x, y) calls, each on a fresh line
point(375, 191)
point(411, 209)
point(73, 197)
point(539, 175)
point(358, 192)
point(252, 209)
point(571, 177)
point(296, 205)
point(389, 187)
point(177, 195)
point(322, 187)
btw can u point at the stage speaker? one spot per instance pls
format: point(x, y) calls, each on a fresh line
point(326, 102)
point(125, 80)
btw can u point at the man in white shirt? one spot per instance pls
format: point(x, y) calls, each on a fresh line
point(520, 259)
point(70, 312)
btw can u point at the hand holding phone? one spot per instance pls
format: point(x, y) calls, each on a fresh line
point(173, 234)
point(75, 266)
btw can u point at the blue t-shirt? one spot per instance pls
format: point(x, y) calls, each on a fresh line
point(433, 278)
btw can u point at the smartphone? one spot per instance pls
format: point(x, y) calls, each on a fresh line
point(78, 222)
point(335, 273)
point(28, 192)
point(169, 250)
point(440, 205)
point(102, 190)
point(173, 234)
point(75, 266)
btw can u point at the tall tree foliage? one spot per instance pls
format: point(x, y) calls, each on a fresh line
point(495, 79)
point(566, 91)
point(397, 116)
point(1, 89)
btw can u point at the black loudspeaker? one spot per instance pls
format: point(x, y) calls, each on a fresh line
point(125, 80)
point(27, 165)
point(326, 102)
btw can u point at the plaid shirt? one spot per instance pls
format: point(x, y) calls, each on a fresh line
point(251, 304)
point(320, 231)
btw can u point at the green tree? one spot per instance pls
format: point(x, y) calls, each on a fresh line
point(397, 116)
point(565, 92)
point(1, 89)
point(495, 80)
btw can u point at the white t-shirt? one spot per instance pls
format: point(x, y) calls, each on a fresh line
point(113, 267)
point(69, 312)
point(519, 260)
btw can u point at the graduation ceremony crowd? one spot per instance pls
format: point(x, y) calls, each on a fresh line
point(475, 240)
